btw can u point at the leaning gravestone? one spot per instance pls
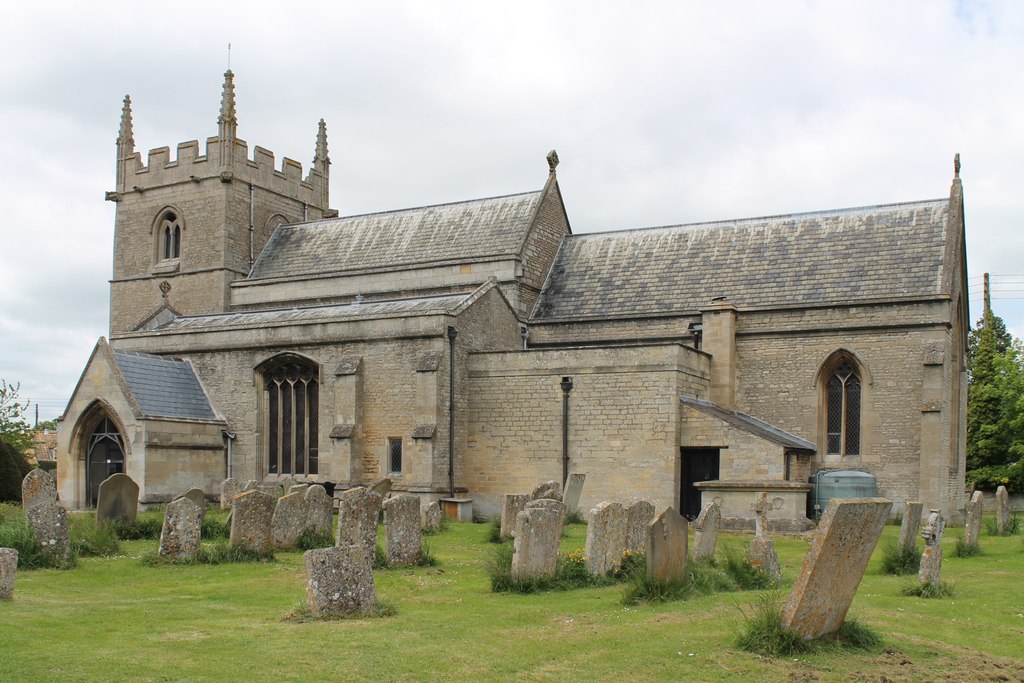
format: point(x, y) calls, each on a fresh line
point(289, 520)
point(1002, 511)
point(638, 519)
point(538, 530)
point(8, 572)
point(339, 580)
point(705, 534)
point(381, 487)
point(930, 570)
point(402, 529)
point(251, 516)
point(514, 504)
point(666, 547)
point(118, 499)
point(198, 496)
point(251, 485)
point(972, 527)
point(319, 510)
point(38, 486)
point(549, 489)
point(834, 565)
point(606, 538)
point(573, 490)
point(430, 517)
point(229, 488)
point(358, 512)
point(182, 530)
point(762, 553)
point(911, 523)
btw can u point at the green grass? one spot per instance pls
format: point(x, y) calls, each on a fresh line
point(113, 618)
point(764, 634)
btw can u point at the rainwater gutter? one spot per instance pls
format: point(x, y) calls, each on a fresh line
point(452, 333)
point(230, 436)
point(566, 384)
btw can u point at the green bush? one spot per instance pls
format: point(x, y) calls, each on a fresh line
point(745, 575)
point(90, 540)
point(929, 590)
point(13, 468)
point(992, 477)
point(965, 549)
point(146, 526)
point(16, 533)
point(1013, 526)
point(214, 527)
point(899, 561)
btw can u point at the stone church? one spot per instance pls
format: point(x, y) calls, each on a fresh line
point(474, 349)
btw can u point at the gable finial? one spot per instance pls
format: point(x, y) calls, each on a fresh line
point(125, 135)
point(956, 165)
point(552, 161)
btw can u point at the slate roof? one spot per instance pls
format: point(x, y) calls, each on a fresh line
point(750, 424)
point(476, 230)
point(164, 387)
point(847, 255)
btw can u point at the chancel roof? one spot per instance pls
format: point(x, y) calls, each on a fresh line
point(477, 230)
point(830, 257)
point(164, 387)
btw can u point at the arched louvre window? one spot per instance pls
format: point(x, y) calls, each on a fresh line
point(170, 231)
point(842, 397)
point(291, 410)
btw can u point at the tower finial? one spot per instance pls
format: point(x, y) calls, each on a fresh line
point(320, 156)
point(228, 122)
point(125, 134)
point(552, 161)
point(956, 165)
point(322, 165)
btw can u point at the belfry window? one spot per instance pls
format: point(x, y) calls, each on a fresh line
point(842, 404)
point(291, 417)
point(170, 236)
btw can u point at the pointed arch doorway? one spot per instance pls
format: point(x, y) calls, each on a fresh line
point(104, 456)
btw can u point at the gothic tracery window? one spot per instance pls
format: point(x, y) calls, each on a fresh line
point(170, 236)
point(291, 409)
point(842, 407)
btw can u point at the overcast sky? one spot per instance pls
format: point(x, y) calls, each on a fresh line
point(661, 112)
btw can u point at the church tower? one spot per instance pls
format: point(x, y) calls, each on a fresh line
point(187, 227)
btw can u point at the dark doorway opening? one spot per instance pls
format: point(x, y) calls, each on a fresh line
point(698, 464)
point(104, 456)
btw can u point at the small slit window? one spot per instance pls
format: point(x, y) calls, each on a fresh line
point(394, 456)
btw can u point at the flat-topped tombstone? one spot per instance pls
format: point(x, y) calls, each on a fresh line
point(834, 565)
point(930, 569)
point(358, 512)
point(705, 534)
point(972, 527)
point(182, 530)
point(319, 510)
point(381, 487)
point(606, 538)
point(118, 499)
point(573, 491)
point(912, 510)
point(1002, 511)
point(638, 519)
point(8, 572)
point(666, 547)
point(514, 504)
point(229, 488)
point(38, 486)
point(251, 516)
point(339, 580)
point(538, 530)
point(549, 489)
point(49, 523)
point(430, 517)
point(402, 529)
point(289, 520)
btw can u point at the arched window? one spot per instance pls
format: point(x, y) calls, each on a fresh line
point(842, 409)
point(291, 402)
point(104, 453)
point(170, 236)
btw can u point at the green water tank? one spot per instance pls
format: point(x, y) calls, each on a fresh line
point(830, 484)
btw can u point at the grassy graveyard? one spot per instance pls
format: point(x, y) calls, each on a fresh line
point(117, 618)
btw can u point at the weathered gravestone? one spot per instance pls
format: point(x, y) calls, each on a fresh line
point(573, 491)
point(381, 487)
point(8, 572)
point(251, 516)
point(289, 520)
point(339, 580)
point(666, 547)
point(38, 486)
point(198, 496)
point(430, 517)
point(834, 565)
point(229, 488)
point(251, 485)
point(402, 529)
point(762, 553)
point(118, 499)
point(301, 488)
point(549, 489)
point(705, 534)
point(514, 504)
point(182, 530)
point(930, 570)
point(358, 512)
point(538, 530)
point(1002, 511)
point(972, 527)
point(49, 523)
point(319, 510)
point(606, 538)
point(638, 519)
point(911, 523)
point(271, 488)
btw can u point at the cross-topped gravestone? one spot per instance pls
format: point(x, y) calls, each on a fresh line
point(930, 570)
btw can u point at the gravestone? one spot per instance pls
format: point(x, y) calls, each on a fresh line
point(381, 487)
point(118, 499)
point(251, 516)
point(666, 547)
point(705, 534)
point(514, 504)
point(251, 485)
point(358, 512)
point(930, 570)
point(762, 553)
point(538, 530)
point(198, 496)
point(339, 580)
point(289, 520)
point(573, 491)
point(972, 527)
point(297, 487)
point(182, 530)
point(430, 517)
point(8, 572)
point(1002, 511)
point(606, 538)
point(638, 519)
point(402, 529)
point(271, 488)
point(38, 486)
point(319, 510)
point(229, 488)
point(49, 523)
point(911, 523)
point(834, 565)
point(549, 489)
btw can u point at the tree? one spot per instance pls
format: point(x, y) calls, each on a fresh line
point(14, 429)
